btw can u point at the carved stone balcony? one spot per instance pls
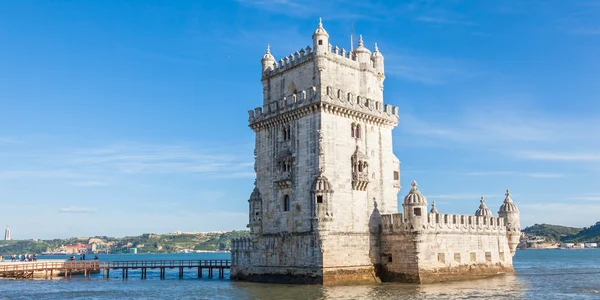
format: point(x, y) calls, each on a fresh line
point(360, 181)
point(284, 180)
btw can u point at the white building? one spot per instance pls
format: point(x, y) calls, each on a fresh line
point(325, 204)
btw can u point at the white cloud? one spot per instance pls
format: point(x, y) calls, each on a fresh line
point(568, 214)
point(558, 156)
point(88, 183)
point(75, 209)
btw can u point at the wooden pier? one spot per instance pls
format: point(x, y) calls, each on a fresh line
point(67, 269)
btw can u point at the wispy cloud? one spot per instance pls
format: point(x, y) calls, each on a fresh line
point(440, 20)
point(559, 156)
point(585, 31)
point(466, 196)
point(77, 210)
point(88, 183)
point(425, 69)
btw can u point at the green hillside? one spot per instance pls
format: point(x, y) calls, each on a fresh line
point(551, 232)
point(587, 234)
point(145, 243)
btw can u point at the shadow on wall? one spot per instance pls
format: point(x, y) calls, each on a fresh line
point(375, 234)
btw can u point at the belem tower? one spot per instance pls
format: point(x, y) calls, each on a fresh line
point(325, 204)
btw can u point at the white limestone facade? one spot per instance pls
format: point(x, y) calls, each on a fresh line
point(327, 180)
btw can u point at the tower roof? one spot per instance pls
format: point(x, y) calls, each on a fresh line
point(268, 55)
point(414, 196)
point(433, 209)
point(320, 30)
point(322, 184)
point(376, 52)
point(255, 196)
point(483, 209)
point(508, 205)
point(361, 46)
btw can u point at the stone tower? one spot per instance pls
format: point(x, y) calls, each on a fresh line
point(325, 170)
point(510, 213)
point(7, 234)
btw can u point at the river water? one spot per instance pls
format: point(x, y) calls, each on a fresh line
point(541, 274)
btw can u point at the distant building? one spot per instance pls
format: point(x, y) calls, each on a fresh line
point(7, 234)
point(591, 245)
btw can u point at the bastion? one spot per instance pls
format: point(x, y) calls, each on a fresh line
point(324, 208)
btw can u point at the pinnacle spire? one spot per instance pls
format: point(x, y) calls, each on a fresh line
point(360, 41)
point(375, 48)
point(320, 22)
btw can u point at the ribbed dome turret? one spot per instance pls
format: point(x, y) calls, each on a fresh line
point(433, 209)
point(508, 205)
point(267, 60)
point(322, 184)
point(361, 46)
point(483, 209)
point(255, 196)
point(320, 30)
point(415, 197)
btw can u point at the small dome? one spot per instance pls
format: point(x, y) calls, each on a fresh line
point(508, 205)
point(483, 209)
point(320, 30)
point(268, 56)
point(255, 196)
point(415, 197)
point(322, 184)
point(376, 52)
point(361, 46)
point(433, 209)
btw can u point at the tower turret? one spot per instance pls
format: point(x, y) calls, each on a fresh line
point(510, 213)
point(361, 53)
point(433, 209)
point(377, 59)
point(415, 204)
point(483, 209)
point(320, 39)
point(268, 60)
point(255, 211)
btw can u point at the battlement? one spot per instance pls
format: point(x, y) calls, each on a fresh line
point(395, 223)
point(344, 102)
point(290, 61)
point(283, 105)
point(241, 244)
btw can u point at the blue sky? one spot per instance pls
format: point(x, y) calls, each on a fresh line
point(119, 118)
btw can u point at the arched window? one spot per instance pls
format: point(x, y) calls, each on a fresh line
point(360, 166)
point(284, 133)
point(353, 130)
point(357, 131)
point(286, 203)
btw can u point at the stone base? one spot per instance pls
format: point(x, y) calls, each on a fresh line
point(445, 274)
point(337, 276)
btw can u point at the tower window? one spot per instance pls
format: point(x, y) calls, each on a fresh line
point(396, 175)
point(417, 211)
point(286, 132)
point(357, 131)
point(320, 42)
point(286, 203)
point(319, 199)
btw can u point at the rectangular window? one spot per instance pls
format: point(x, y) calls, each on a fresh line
point(396, 175)
point(417, 211)
point(457, 257)
point(488, 256)
point(320, 199)
point(473, 257)
point(389, 258)
point(501, 256)
point(442, 258)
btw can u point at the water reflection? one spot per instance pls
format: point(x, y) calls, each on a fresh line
point(498, 287)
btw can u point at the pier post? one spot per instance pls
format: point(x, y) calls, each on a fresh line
point(180, 272)
point(199, 272)
point(126, 272)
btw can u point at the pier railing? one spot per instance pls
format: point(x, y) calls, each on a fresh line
point(68, 268)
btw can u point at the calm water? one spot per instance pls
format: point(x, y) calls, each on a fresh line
point(541, 274)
